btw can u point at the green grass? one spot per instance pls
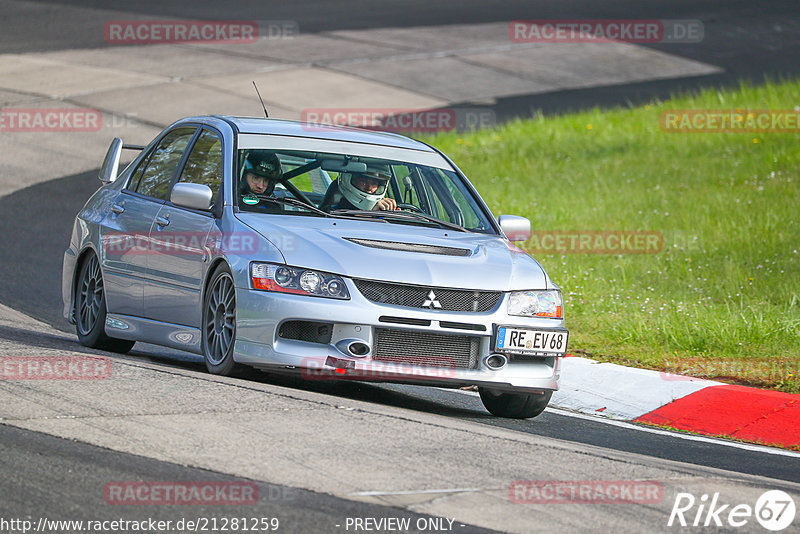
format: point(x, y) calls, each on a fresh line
point(726, 287)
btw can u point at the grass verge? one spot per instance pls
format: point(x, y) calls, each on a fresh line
point(721, 299)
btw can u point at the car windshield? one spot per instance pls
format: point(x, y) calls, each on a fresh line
point(320, 184)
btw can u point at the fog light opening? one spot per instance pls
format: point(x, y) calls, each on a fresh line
point(495, 361)
point(358, 348)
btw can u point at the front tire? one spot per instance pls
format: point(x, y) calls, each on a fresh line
point(90, 310)
point(219, 324)
point(514, 405)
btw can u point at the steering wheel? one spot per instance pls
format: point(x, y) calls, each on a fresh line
point(410, 207)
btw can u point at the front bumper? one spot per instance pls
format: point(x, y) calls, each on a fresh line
point(260, 315)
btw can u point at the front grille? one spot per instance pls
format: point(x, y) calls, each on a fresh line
point(462, 326)
point(404, 320)
point(426, 348)
point(416, 296)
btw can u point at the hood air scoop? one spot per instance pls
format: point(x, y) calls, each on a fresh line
point(410, 247)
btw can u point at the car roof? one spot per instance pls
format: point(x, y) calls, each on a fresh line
point(256, 125)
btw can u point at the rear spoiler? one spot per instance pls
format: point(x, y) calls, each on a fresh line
point(110, 168)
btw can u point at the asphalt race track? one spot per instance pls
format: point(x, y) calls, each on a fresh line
point(58, 477)
point(749, 40)
point(41, 259)
point(41, 469)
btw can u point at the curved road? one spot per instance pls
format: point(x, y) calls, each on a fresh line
point(748, 40)
point(40, 260)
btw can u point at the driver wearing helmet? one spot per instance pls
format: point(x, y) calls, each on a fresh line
point(360, 191)
point(262, 170)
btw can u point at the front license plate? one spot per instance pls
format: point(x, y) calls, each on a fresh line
point(532, 342)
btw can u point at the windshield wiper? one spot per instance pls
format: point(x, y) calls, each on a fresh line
point(401, 215)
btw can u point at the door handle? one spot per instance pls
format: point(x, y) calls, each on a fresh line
point(162, 221)
point(117, 208)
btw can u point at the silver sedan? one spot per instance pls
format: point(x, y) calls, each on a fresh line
point(335, 253)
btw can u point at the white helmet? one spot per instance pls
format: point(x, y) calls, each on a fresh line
point(356, 189)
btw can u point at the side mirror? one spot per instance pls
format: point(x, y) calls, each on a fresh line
point(110, 167)
point(192, 196)
point(515, 227)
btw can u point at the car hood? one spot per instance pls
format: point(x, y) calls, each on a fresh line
point(357, 249)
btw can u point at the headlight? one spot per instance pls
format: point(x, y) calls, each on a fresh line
point(535, 304)
point(285, 279)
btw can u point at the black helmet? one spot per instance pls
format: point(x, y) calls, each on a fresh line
point(261, 163)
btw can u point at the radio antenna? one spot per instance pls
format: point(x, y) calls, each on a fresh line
point(261, 100)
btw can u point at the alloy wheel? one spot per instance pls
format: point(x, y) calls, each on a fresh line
point(90, 298)
point(220, 324)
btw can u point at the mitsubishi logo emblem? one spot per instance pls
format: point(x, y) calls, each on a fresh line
point(431, 301)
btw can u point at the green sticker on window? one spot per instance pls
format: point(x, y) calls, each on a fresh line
point(250, 199)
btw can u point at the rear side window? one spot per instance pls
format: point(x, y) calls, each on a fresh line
point(204, 165)
point(136, 177)
point(158, 174)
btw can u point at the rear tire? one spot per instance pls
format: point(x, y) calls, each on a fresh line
point(514, 405)
point(219, 324)
point(90, 310)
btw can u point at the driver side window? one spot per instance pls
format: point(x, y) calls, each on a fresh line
point(204, 165)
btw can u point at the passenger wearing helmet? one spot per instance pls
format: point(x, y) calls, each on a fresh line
point(360, 191)
point(262, 170)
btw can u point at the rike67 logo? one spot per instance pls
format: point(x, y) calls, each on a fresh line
point(774, 510)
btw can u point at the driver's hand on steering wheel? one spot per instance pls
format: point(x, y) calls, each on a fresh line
point(386, 204)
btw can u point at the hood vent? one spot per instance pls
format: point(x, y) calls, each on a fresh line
point(410, 247)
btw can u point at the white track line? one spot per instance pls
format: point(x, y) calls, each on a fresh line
point(416, 492)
